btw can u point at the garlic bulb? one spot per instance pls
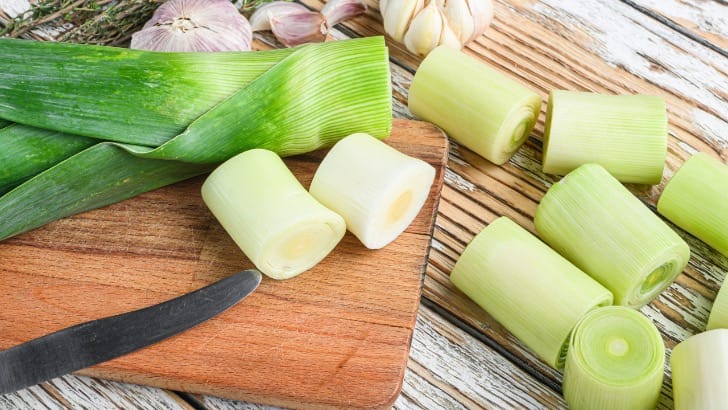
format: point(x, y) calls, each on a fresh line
point(422, 25)
point(195, 25)
point(293, 24)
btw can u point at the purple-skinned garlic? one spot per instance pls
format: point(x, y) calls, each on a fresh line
point(195, 25)
point(293, 24)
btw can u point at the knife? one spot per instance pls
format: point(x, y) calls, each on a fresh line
point(96, 341)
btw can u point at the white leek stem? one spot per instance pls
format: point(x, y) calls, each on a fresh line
point(483, 109)
point(527, 287)
point(696, 199)
point(626, 134)
point(700, 371)
point(279, 226)
point(616, 361)
point(718, 318)
point(600, 226)
point(377, 189)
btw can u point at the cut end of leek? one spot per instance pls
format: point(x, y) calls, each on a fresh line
point(378, 190)
point(616, 361)
point(700, 370)
point(601, 227)
point(718, 318)
point(527, 287)
point(279, 226)
point(483, 109)
point(696, 200)
point(626, 134)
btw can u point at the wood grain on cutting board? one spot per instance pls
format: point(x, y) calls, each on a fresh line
point(335, 336)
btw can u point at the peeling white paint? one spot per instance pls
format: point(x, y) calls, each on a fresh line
point(458, 182)
point(14, 8)
point(627, 38)
point(713, 128)
point(707, 16)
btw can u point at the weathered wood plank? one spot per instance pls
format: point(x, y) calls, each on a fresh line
point(703, 19)
point(79, 392)
point(606, 47)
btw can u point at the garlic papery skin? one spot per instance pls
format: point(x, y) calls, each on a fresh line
point(299, 28)
point(423, 25)
point(293, 24)
point(260, 20)
point(336, 11)
point(195, 25)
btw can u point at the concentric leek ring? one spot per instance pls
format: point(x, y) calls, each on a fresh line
point(616, 360)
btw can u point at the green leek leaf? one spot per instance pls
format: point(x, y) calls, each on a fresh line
point(302, 100)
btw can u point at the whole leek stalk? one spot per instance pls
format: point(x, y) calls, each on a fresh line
point(700, 370)
point(483, 109)
point(696, 199)
point(602, 228)
point(289, 102)
point(279, 226)
point(616, 361)
point(527, 287)
point(718, 318)
point(626, 134)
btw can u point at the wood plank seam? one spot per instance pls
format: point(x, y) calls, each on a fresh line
point(554, 385)
point(675, 26)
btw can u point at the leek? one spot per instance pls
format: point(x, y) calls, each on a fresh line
point(616, 361)
point(696, 200)
point(700, 370)
point(718, 318)
point(289, 102)
point(26, 151)
point(279, 226)
point(597, 224)
point(482, 109)
point(531, 290)
point(626, 134)
point(377, 189)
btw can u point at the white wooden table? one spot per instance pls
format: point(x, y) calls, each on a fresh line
point(460, 357)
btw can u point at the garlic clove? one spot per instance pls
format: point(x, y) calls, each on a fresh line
point(425, 30)
point(299, 28)
point(397, 16)
point(336, 11)
point(449, 37)
point(482, 15)
point(260, 20)
point(459, 20)
point(195, 25)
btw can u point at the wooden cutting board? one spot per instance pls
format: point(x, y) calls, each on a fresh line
point(335, 336)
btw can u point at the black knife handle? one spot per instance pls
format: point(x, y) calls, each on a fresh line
point(97, 341)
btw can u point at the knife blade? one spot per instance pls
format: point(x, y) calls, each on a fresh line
point(89, 343)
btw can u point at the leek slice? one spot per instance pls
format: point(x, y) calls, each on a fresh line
point(626, 134)
point(377, 189)
point(279, 226)
point(482, 109)
point(718, 318)
point(616, 361)
point(700, 370)
point(696, 200)
point(309, 98)
point(531, 290)
point(597, 224)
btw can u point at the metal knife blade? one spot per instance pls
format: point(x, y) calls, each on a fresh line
point(96, 341)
